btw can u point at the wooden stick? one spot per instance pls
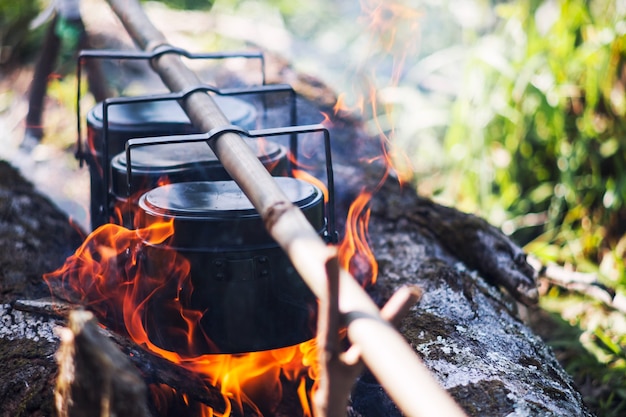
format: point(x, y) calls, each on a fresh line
point(394, 310)
point(95, 379)
point(392, 361)
point(336, 379)
point(338, 371)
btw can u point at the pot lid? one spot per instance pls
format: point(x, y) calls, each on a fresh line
point(183, 162)
point(214, 215)
point(187, 155)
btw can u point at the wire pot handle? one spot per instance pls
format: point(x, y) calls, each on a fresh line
point(160, 50)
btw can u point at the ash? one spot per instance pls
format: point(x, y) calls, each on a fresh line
point(15, 324)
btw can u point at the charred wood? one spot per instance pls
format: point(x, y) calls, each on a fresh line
point(95, 378)
point(479, 245)
point(152, 369)
point(27, 367)
point(36, 237)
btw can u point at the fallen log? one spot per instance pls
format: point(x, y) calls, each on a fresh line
point(37, 238)
point(151, 368)
point(27, 367)
point(479, 246)
point(465, 329)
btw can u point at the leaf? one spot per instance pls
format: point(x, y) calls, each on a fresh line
point(609, 147)
point(542, 192)
point(608, 343)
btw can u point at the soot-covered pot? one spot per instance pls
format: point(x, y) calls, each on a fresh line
point(250, 296)
point(179, 162)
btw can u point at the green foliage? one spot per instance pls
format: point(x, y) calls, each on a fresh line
point(540, 130)
point(15, 39)
point(541, 115)
point(590, 340)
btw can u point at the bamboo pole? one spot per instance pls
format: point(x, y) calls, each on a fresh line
point(383, 350)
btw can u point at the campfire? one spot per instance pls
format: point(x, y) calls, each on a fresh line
point(201, 290)
point(106, 275)
point(214, 247)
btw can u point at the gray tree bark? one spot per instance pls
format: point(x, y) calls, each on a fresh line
point(467, 330)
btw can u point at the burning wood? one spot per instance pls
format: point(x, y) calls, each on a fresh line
point(287, 225)
point(407, 253)
point(106, 274)
point(95, 378)
point(151, 368)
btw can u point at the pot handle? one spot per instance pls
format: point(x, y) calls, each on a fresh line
point(146, 55)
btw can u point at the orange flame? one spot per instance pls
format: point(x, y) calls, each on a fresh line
point(341, 105)
point(305, 176)
point(107, 274)
point(403, 172)
point(391, 22)
point(93, 151)
point(355, 254)
point(388, 22)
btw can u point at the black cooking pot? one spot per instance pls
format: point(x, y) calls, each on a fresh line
point(249, 293)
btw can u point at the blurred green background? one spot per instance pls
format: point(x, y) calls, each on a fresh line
point(513, 110)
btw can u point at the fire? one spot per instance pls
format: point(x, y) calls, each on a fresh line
point(123, 209)
point(341, 106)
point(355, 253)
point(94, 151)
point(305, 176)
point(108, 275)
point(393, 28)
point(396, 161)
point(390, 23)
